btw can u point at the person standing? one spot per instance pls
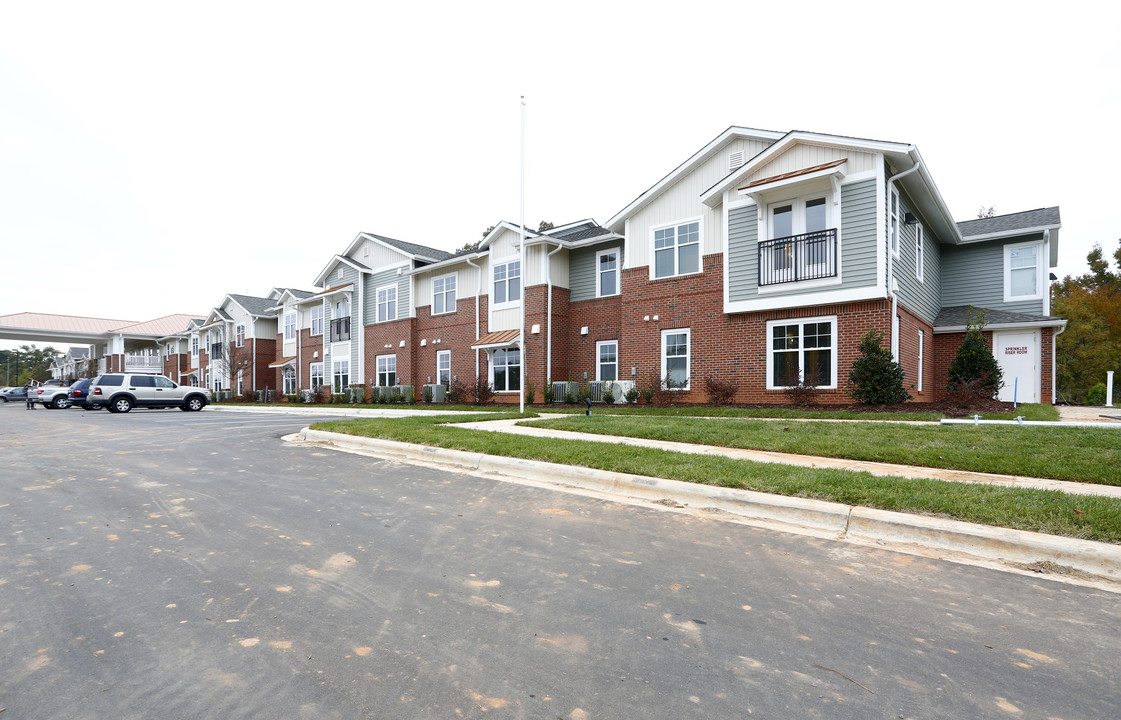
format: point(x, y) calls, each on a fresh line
point(29, 388)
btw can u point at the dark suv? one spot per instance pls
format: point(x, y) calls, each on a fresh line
point(121, 392)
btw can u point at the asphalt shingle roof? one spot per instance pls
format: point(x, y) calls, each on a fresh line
point(255, 305)
point(959, 315)
point(412, 248)
point(1042, 217)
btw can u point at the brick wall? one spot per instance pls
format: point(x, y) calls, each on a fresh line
point(378, 336)
point(454, 332)
point(909, 327)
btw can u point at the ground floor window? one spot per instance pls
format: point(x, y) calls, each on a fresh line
point(506, 366)
point(240, 382)
point(289, 380)
point(341, 375)
point(675, 359)
point(316, 371)
point(803, 351)
point(918, 379)
point(607, 360)
point(444, 368)
point(387, 370)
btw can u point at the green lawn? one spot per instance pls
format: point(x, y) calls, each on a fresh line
point(1092, 518)
point(1088, 455)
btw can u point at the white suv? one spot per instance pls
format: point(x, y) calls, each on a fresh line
point(121, 392)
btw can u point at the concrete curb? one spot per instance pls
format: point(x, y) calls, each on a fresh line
point(981, 541)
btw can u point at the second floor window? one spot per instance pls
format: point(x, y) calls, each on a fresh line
point(289, 326)
point(508, 282)
point(443, 294)
point(340, 326)
point(194, 346)
point(239, 335)
point(1022, 279)
point(317, 320)
point(387, 304)
point(607, 271)
point(677, 249)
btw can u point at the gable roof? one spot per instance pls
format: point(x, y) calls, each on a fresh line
point(255, 306)
point(1011, 224)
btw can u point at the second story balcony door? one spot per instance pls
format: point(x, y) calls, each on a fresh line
point(340, 329)
point(802, 246)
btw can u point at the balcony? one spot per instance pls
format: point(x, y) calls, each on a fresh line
point(216, 351)
point(340, 329)
point(143, 363)
point(809, 256)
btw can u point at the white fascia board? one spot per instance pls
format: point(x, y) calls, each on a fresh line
point(505, 225)
point(364, 236)
point(320, 280)
point(700, 156)
point(871, 292)
point(447, 263)
point(966, 239)
point(1003, 326)
point(949, 226)
point(568, 225)
point(836, 171)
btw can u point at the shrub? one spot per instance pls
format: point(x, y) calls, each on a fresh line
point(876, 378)
point(549, 392)
point(570, 397)
point(974, 371)
point(609, 397)
point(249, 396)
point(483, 391)
point(530, 394)
point(457, 391)
point(1096, 395)
point(719, 392)
point(427, 395)
point(583, 393)
point(293, 398)
point(632, 395)
point(338, 398)
point(801, 391)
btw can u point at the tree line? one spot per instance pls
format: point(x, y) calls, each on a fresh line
point(1091, 344)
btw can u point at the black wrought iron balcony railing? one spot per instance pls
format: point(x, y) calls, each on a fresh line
point(809, 256)
point(340, 329)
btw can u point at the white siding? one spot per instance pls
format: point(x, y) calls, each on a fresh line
point(466, 280)
point(380, 255)
point(504, 244)
point(803, 156)
point(509, 319)
point(682, 201)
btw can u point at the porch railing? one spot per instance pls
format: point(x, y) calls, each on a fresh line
point(340, 329)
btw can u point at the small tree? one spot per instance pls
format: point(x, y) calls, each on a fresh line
point(974, 371)
point(719, 390)
point(876, 378)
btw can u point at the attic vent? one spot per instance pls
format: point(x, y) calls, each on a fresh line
point(339, 274)
point(366, 250)
point(735, 160)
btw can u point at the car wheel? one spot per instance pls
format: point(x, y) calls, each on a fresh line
point(60, 403)
point(194, 403)
point(3, 399)
point(120, 405)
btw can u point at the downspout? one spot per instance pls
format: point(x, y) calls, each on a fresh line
point(549, 317)
point(1054, 363)
point(891, 258)
point(478, 287)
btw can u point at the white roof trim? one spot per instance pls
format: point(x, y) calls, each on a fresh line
point(1003, 326)
point(1009, 233)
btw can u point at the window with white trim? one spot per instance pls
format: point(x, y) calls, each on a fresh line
point(317, 319)
point(607, 360)
point(922, 342)
point(315, 370)
point(341, 375)
point(675, 359)
point(802, 351)
point(444, 367)
point(1023, 277)
point(506, 369)
point(507, 282)
point(896, 209)
point(240, 382)
point(290, 325)
point(387, 370)
point(387, 303)
point(289, 380)
point(677, 249)
point(607, 272)
point(239, 336)
point(443, 294)
point(919, 256)
point(167, 351)
point(194, 346)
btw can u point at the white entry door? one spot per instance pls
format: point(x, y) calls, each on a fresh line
point(1017, 353)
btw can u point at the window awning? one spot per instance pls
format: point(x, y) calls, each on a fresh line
point(816, 170)
point(283, 362)
point(499, 338)
point(189, 373)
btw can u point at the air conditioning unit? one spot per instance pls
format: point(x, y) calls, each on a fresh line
point(596, 389)
point(560, 389)
point(622, 387)
point(439, 392)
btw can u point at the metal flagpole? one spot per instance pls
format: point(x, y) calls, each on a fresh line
point(521, 264)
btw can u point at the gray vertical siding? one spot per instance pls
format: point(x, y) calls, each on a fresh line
point(582, 269)
point(974, 275)
point(386, 277)
point(857, 238)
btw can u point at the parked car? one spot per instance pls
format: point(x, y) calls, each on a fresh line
point(121, 392)
point(79, 393)
point(13, 394)
point(52, 394)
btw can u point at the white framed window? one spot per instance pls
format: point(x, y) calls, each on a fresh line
point(507, 282)
point(340, 377)
point(675, 358)
point(317, 319)
point(239, 336)
point(607, 360)
point(1023, 271)
point(803, 350)
point(387, 303)
point(240, 382)
point(920, 258)
point(922, 349)
point(315, 370)
point(893, 230)
point(444, 367)
point(289, 380)
point(387, 370)
point(607, 272)
point(443, 294)
point(506, 369)
point(290, 325)
point(677, 249)
point(194, 346)
point(167, 351)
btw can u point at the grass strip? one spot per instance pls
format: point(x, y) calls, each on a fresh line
point(1093, 518)
point(1089, 455)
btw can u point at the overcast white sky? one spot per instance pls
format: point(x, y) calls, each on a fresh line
point(156, 156)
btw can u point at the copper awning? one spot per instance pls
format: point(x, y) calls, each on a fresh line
point(499, 338)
